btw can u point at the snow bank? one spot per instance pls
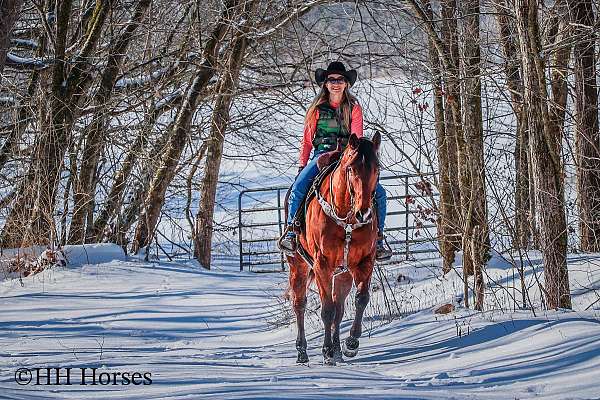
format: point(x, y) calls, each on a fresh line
point(75, 255)
point(97, 253)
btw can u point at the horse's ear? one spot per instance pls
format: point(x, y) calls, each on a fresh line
point(376, 140)
point(353, 141)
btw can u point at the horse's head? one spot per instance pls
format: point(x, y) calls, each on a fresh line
point(360, 162)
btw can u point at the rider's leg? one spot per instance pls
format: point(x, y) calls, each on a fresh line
point(383, 253)
point(298, 192)
point(301, 187)
point(381, 200)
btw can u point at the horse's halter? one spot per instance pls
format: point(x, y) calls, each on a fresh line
point(329, 210)
point(349, 188)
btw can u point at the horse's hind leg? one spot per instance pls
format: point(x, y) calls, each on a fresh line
point(341, 288)
point(299, 279)
point(362, 279)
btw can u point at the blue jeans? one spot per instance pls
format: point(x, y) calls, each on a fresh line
point(304, 181)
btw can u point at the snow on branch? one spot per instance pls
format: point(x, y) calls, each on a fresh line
point(169, 99)
point(142, 80)
point(25, 63)
point(24, 43)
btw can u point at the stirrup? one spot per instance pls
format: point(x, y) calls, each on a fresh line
point(383, 253)
point(287, 243)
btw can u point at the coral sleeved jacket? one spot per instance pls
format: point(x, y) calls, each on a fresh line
point(310, 128)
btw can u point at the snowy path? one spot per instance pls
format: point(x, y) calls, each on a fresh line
point(207, 334)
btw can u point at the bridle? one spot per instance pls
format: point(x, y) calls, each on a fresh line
point(329, 210)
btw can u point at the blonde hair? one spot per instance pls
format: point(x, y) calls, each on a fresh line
point(345, 109)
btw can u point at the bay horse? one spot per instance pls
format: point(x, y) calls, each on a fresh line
point(340, 236)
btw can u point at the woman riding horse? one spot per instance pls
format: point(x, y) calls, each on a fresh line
point(332, 116)
point(338, 247)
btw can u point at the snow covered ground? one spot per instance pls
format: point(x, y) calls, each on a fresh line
point(226, 334)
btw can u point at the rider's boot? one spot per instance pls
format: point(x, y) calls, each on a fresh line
point(383, 252)
point(287, 243)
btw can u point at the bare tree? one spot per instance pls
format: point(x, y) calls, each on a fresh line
point(453, 122)
point(514, 81)
point(95, 134)
point(156, 195)
point(587, 135)
point(475, 239)
point(544, 142)
point(34, 206)
point(214, 152)
point(449, 212)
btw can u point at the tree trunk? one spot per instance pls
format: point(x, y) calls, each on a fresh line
point(587, 137)
point(113, 202)
point(165, 173)
point(9, 12)
point(545, 142)
point(514, 82)
point(126, 218)
point(448, 209)
point(445, 221)
point(559, 36)
point(453, 128)
point(476, 237)
point(219, 123)
point(85, 185)
point(453, 89)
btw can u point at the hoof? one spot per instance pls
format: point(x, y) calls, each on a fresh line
point(337, 355)
point(337, 351)
point(328, 356)
point(302, 357)
point(330, 361)
point(350, 346)
point(350, 353)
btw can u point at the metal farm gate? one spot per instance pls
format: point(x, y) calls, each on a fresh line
point(410, 224)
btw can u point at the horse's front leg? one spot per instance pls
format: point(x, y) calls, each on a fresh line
point(299, 275)
point(362, 279)
point(324, 277)
point(341, 287)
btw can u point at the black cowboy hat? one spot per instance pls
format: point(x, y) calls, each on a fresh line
point(335, 67)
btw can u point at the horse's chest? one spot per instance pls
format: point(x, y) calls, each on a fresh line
point(331, 244)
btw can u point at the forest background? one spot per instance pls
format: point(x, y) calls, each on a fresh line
point(119, 117)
